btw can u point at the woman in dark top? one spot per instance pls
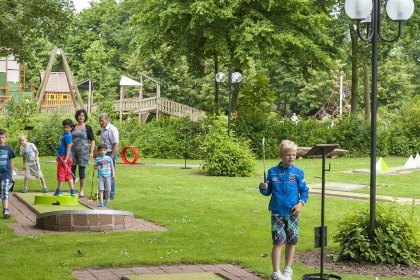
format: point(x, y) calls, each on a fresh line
point(82, 136)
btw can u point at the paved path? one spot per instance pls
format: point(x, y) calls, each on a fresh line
point(230, 271)
point(364, 196)
point(27, 219)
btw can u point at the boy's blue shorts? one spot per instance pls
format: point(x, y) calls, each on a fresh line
point(285, 229)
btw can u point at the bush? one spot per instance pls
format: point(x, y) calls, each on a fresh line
point(165, 138)
point(47, 132)
point(396, 238)
point(225, 156)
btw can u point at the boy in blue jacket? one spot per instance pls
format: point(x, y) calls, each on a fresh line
point(287, 187)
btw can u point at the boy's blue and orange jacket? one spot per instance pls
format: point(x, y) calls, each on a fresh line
point(287, 187)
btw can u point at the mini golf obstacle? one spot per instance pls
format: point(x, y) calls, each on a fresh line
point(411, 165)
point(321, 232)
point(65, 213)
point(47, 199)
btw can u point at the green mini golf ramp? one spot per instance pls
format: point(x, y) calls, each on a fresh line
point(178, 276)
point(48, 199)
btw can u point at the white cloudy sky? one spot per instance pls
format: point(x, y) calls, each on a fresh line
point(81, 4)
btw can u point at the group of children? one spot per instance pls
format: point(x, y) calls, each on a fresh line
point(29, 152)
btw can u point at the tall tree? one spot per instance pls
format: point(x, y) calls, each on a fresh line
point(23, 21)
point(231, 31)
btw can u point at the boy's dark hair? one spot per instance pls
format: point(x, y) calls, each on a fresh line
point(68, 122)
point(3, 132)
point(79, 112)
point(102, 146)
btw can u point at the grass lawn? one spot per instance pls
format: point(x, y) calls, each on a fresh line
point(209, 220)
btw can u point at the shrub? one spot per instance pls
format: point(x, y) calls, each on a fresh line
point(225, 156)
point(396, 238)
point(47, 132)
point(353, 134)
point(166, 138)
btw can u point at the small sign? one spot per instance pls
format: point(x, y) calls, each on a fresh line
point(318, 237)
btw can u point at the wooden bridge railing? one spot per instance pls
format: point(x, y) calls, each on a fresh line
point(138, 106)
point(158, 105)
point(179, 110)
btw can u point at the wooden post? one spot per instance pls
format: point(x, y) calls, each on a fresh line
point(7, 84)
point(121, 98)
point(20, 88)
point(71, 86)
point(41, 90)
point(72, 83)
point(89, 109)
point(141, 88)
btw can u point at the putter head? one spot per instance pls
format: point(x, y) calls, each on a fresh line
point(10, 186)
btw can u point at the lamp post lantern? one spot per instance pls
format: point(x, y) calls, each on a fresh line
point(234, 77)
point(369, 12)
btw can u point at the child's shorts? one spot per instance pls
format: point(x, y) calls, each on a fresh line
point(33, 169)
point(104, 183)
point(63, 172)
point(4, 189)
point(285, 229)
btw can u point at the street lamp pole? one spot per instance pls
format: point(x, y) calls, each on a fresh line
point(369, 12)
point(230, 98)
point(234, 77)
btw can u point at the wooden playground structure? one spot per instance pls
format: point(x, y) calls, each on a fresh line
point(12, 81)
point(58, 94)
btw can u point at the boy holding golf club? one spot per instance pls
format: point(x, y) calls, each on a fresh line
point(30, 163)
point(287, 187)
point(106, 172)
point(65, 158)
point(6, 170)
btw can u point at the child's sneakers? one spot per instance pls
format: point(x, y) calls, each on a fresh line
point(57, 192)
point(6, 213)
point(45, 189)
point(277, 275)
point(73, 192)
point(25, 190)
point(287, 273)
point(106, 203)
point(100, 205)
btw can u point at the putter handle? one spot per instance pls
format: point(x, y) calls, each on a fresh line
point(265, 177)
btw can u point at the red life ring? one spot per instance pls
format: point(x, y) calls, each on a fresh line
point(136, 154)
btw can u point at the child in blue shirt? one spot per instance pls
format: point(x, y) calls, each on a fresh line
point(6, 170)
point(106, 172)
point(65, 159)
point(287, 187)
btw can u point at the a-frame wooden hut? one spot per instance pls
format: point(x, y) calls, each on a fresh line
point(53, 81)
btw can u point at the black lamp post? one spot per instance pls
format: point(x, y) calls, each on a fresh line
point(235, 77)
point(186, 130)
point(369, 13)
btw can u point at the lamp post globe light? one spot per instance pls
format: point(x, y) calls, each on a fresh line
point(368, 12)
point(234, 77)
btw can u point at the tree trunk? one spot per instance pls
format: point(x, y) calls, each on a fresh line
point(367, 92)
point(354, 77)
point(216, 86)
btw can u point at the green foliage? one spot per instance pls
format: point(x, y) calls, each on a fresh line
point(20, 114)
point(353, 134)
point(396, 238)
point(47, 132)
point(254, 111)
point(23, 21)
point(167, 138)
point(226, 156)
